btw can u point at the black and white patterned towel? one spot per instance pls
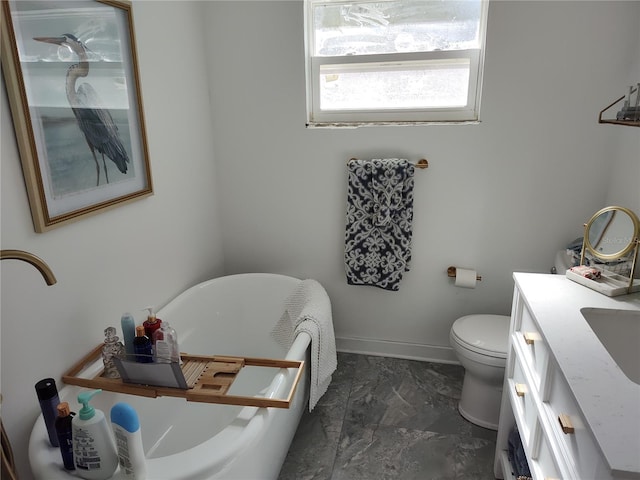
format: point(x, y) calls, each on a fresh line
point(379, 222)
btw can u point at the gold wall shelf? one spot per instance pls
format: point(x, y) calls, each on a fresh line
point(629, 123)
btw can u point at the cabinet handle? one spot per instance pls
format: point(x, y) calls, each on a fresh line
point(565, 423)
point(521, 389)
point(530, 337)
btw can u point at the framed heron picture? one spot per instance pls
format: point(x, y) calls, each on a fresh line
point(71, 73)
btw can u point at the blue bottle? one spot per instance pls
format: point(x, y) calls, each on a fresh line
point(63, 430)
point(126, 430)
point(128, 332)
point(142, 346)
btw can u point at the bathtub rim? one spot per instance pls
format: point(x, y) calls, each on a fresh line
point(255, 275)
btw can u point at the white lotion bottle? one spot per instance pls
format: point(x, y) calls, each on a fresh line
point(94, 451)
point(126, 430)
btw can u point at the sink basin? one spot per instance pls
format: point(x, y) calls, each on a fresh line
point(619, 332)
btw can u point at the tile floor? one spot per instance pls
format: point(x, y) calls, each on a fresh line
point(388, 418)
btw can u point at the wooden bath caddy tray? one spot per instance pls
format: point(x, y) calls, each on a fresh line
point(199, 379)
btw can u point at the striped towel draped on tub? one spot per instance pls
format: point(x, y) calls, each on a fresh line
point(379, 222)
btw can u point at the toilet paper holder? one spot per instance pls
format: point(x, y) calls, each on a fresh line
point(451, 272)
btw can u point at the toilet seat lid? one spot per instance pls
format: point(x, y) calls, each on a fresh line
point(484, 334)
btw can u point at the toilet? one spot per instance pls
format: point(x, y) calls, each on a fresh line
point(480, 344)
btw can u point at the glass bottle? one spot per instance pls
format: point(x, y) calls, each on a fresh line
point(112, 347)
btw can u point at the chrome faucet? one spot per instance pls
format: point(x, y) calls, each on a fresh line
point(37, 262)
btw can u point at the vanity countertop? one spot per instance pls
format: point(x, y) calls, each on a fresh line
point(609, 401)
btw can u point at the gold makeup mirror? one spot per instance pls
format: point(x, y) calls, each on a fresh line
point(611, 237)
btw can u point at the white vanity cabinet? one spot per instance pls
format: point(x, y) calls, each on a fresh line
point(543, 401)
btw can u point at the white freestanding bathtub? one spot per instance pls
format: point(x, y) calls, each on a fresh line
point(230, 315)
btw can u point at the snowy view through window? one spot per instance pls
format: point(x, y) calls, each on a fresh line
point(408, 54)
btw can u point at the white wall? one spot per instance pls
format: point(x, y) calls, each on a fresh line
point(500, 196)
point(137, 255)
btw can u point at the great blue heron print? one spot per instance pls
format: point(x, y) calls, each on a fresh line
point(97, 125)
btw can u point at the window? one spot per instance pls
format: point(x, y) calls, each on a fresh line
point(394, 61)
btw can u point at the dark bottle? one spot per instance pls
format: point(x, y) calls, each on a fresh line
point(48, 398)
point(142, 346)
point(63, 430)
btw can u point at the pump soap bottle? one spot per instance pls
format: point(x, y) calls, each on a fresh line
point(94, 451)
point(151, 324)
point(63, 429)
point(126, 429)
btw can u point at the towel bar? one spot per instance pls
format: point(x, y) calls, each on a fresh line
point(421, 164)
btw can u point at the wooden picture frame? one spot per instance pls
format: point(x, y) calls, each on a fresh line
point(71, 73)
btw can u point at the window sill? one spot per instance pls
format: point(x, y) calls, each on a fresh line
point(388, 124)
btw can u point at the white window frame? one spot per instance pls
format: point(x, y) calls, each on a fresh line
point(316, 117)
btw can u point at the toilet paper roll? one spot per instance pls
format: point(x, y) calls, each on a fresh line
point(466, 278)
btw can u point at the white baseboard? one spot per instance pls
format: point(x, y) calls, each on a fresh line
point(385, 348)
